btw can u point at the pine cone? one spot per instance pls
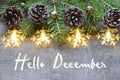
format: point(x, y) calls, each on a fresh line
point(12, 17)
point(112, 18)
point(73, 17)
point(38, 14)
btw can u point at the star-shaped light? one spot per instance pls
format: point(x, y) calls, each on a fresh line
point(78, 38)
point(109, 37)
point(42, 38)
point(14, 38)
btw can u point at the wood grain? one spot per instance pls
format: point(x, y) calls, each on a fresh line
point(108, 55)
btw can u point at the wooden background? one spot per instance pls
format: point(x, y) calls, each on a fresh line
point(110, 56)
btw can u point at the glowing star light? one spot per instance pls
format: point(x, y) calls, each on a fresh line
point(13, 38)
point(78, 38)
point(109, 37)
point(42, 38)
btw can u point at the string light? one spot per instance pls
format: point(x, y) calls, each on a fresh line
point(109, 37)
point(78, 38)
point(42, 38)
point(13, 38)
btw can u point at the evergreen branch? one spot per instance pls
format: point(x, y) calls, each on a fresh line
point(29, 25)
point(57, 24)
point(107, 4)
point(27, 28)
point(67, 4)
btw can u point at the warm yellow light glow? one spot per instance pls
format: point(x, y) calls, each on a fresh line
point(109, 37)
point(78, 38)
point(42, 38)
point(13, 38)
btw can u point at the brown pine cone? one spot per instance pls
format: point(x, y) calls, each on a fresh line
point(12, 16)
point(38, 14)
point(112, 18)
point(73, 17)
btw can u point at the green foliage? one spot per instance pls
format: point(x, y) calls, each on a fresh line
point(57, 25)
point(27, 28)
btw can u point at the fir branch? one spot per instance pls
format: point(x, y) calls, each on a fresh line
point(27, 28)
point(57, 24)
point(67, 4)
point(58, 29)
point(107, 4)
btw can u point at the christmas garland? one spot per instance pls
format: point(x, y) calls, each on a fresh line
point(63, 21)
